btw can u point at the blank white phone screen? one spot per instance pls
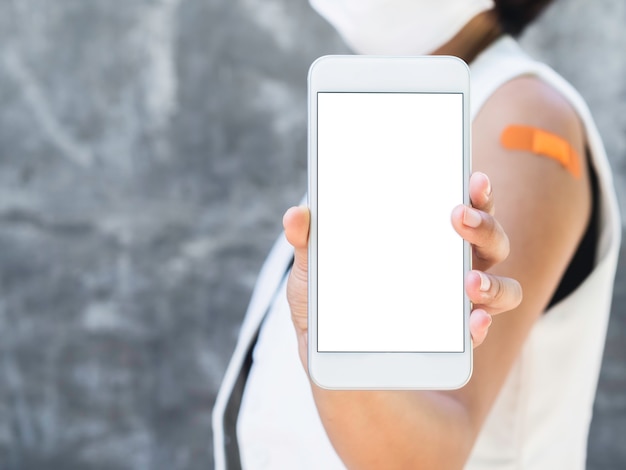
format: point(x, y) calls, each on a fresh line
point(390, 265)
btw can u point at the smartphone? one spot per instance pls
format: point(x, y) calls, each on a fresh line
point(389, 158)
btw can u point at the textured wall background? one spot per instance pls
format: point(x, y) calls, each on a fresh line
point(147, 151)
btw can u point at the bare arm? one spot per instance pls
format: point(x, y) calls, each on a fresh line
point(544, 210)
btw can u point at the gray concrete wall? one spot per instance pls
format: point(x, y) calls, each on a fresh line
point(147, 151)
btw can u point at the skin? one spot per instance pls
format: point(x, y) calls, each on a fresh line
point(543, 210)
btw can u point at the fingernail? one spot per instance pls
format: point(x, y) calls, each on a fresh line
point(488, 190)
point(485, 282)
point(471, 217)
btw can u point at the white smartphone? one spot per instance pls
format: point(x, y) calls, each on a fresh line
point(389, 158)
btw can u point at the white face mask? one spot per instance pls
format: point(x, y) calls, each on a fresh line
point(399, 27)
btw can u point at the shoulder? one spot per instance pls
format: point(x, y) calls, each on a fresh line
point(530, 101)
point(532, 104)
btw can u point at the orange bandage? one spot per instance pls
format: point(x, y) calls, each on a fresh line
point(533, 139)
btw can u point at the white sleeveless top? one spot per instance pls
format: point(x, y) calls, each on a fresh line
point(541, 417)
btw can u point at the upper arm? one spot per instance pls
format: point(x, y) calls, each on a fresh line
point(544, 210)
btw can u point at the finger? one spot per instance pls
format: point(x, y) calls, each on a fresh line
point(296, 223)
point(494, 294)
point(480, 192)
point(479, 326)
point(490, 242)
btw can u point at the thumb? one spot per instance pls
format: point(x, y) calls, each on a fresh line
point(296, 223)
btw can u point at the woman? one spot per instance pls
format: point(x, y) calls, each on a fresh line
point(528, 404)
